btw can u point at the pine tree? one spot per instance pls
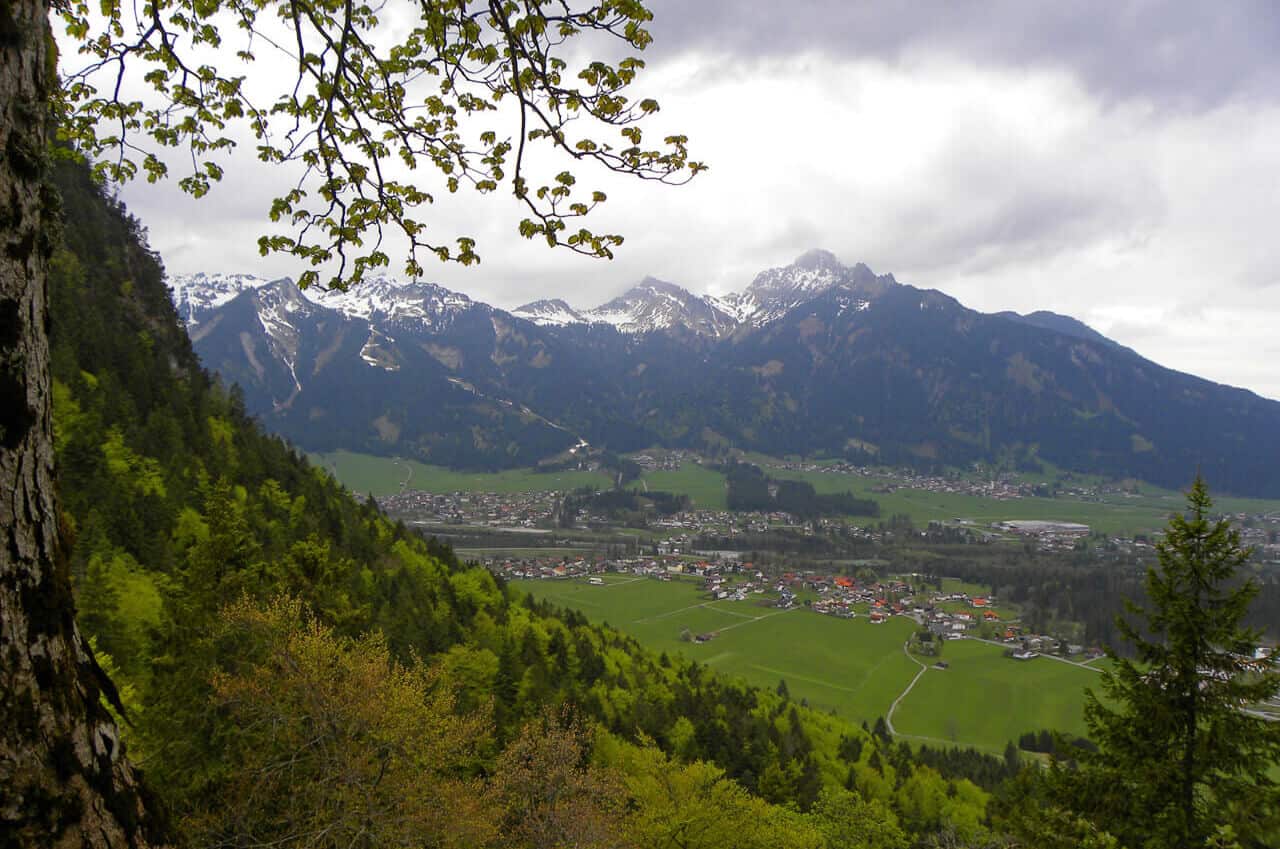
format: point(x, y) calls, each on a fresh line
point(1180, 754)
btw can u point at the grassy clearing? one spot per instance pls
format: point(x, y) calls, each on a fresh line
point(364, 473)
point(852, 667)
point(986, 699)
point(705, 487)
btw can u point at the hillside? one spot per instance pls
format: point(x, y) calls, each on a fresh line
point(815, 358)
point(189, 520)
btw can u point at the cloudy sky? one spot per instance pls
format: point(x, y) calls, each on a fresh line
point(1116, 161)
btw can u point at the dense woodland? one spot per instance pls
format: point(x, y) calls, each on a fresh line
point(750, 489)
point(227, 584)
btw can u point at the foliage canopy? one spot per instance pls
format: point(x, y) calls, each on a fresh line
point(360, 96)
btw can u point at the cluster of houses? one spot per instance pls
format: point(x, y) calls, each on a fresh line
point(946, 615)
point(664, 460)
point(662, 567)
point(838, 595)
point(579, 566)
point(1003, 487)
point(522, 510)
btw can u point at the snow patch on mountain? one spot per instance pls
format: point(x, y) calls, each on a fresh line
point(777, 291)
point(384, 300)
point(378, 300)
point(197, 295)
point(376, 351)
point(551, 312)
point(651, 305)
point(279, 306)
point(658, 305)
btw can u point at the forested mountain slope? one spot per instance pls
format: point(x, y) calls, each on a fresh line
point(190, 523)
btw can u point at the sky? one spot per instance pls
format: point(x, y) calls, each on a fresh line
point(1115, 161)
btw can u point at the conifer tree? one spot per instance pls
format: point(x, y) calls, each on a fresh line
point(1180, 753)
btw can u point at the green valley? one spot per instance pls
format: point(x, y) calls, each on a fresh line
point(1103, 509)
point(851, 667)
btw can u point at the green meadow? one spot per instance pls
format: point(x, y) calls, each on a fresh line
point(987, 699)
point(1114, 516)
point(705, 487)
point(850, 666)
point(365, 473)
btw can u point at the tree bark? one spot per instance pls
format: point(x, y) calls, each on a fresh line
point(64, 780)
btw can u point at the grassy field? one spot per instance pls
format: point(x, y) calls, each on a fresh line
point(705, 488)
point(987, 699)
point(852, 667)
point(364, 473)
point(1116, 516)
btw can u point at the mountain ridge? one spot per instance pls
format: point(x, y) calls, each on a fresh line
point(821, 359)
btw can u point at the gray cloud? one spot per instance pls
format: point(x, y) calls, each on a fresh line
point(1174, 53)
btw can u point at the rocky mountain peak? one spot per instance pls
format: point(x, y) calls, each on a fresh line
point(776, 291)
point(654, 304)
point(395, 301)
point(549, 311)
point(197, 295)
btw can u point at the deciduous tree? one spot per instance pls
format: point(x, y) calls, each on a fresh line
point(469, 89)
point(335, 744)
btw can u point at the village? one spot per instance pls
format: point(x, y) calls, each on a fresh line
point(542, 512)
point(942, 615)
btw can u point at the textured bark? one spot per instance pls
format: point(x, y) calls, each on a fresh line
point(64, 780)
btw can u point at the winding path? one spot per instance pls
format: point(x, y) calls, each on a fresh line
point(404, 484)
point(888, 720)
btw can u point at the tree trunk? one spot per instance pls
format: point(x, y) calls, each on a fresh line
point(63, 777)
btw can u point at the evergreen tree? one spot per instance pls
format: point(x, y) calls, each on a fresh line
point(1180, 754)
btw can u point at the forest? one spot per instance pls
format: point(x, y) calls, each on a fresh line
point(751, 489)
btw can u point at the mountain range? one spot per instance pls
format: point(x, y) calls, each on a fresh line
point(814, 358)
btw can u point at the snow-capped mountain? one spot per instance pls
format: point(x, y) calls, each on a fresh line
point(389, 303)
point(197, 295)
point(650, 305)
point(656, 304)
point(777, 291)
point(382, 301)
point(391, 306)
point(551, 312)
point(815, 358)
point(284, 314)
